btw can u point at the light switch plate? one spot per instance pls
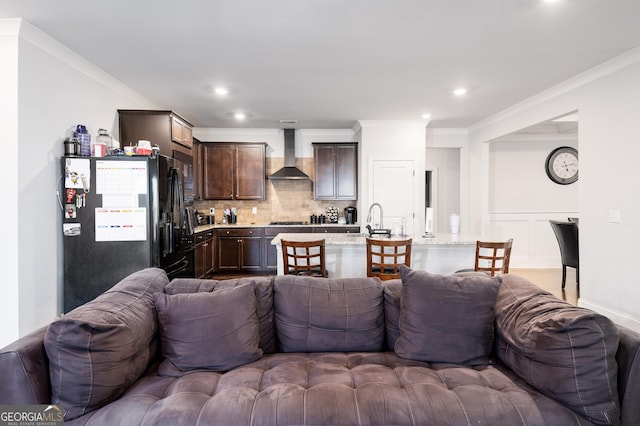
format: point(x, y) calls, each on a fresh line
point(614, 216)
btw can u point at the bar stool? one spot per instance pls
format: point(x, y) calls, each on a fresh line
point(384, 257)
point(492, 257)
point(304, 258)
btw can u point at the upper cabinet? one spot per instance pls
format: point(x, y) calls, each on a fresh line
point(181, 131)
point(336, 171)
point(233, 171)
point(163, 128)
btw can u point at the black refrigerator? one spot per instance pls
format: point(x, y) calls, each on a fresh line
point(121, 214)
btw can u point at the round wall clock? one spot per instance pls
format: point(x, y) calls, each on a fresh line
point(562, 165)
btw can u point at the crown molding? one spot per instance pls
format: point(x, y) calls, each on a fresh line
point(606, 68)
point(38, 38)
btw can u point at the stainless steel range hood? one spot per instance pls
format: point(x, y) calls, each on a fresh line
point(289, 171)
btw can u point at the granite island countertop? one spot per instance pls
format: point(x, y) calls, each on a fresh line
point(359, 239)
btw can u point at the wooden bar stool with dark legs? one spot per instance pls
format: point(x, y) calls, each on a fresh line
point(384, 257)
point(492, 257)
point(304, 258)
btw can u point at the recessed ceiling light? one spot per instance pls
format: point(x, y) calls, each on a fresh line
point(240, 116)
point(425, 116)
point(460, 91)
point(221, 91)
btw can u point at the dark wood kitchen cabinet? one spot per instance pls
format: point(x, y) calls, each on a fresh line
point(336, 171)
point(233, 171)
point(239, 249)
point(166, 129)
point(204, 254)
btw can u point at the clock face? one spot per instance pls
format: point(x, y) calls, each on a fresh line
point(562, 165)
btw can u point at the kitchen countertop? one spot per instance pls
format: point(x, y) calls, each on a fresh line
point(360, 239)
point(203, 228)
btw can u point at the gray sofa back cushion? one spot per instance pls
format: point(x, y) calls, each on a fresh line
point(392, 295)
point(566, 352)
point(328, 315)
point(264, 298)
point(447, 318)
point(209, 330)
point(98, 350)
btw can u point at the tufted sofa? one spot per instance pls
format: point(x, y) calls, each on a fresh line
point(285, 350)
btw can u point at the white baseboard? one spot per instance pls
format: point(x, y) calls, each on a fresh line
point(617, 317)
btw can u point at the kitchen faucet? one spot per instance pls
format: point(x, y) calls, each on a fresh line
point(371, 210)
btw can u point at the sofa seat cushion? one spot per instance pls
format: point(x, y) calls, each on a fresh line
point(336, 388)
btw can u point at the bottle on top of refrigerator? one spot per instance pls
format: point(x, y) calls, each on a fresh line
point(85, 140)
point(104, 141)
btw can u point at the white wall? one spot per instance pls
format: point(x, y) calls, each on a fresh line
point(445, 198)
point(607, 99)
point(522, 200)
point(453, 138)
point(9, 176)
point(56, 89)
point(393, 140)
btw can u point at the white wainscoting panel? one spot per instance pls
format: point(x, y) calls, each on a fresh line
point(534, 244)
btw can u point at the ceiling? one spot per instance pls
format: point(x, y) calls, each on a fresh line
point(328, 63)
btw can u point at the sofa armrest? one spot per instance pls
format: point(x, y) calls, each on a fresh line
point(628, 359)
point(25, 371)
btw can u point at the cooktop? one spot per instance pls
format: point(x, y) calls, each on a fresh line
point(289, 222)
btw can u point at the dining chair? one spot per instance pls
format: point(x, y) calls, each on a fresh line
point(385, 256)
point(567, 236)
point(492, 257)
point(304, 258)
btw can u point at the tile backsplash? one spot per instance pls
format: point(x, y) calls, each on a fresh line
point(287, 200)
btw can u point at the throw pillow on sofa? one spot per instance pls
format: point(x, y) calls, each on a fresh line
point(446, 318)
point(214, 331)
point(329, 315)
point(564, 351)
point(98, 350)
point(264, 299)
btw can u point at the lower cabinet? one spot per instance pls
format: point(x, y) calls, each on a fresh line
point(204, 254)
point(239, 249)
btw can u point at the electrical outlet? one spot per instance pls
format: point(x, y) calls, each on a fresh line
point(254, 210)
point(212, 211)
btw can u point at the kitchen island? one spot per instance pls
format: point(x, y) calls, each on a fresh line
point(346, 253)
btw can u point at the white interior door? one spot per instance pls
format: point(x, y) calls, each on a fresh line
point(394, 188)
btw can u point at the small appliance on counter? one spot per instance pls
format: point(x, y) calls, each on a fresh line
point(351, 215)
point(332, 214)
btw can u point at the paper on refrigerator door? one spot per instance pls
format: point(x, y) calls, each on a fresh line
point(120, 218)
point(121, 224)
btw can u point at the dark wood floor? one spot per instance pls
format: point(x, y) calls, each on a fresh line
point(548, 279)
